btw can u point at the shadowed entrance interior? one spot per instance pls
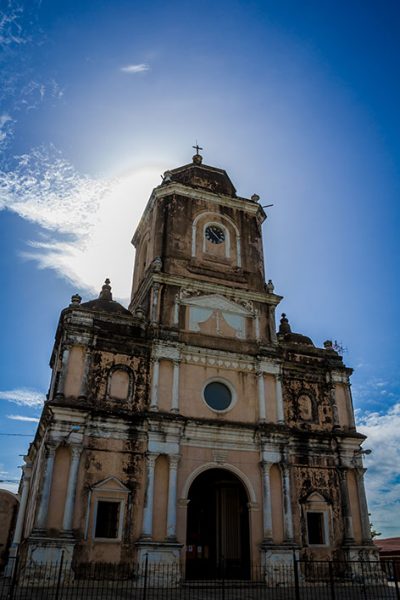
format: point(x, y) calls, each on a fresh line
point(217, 543)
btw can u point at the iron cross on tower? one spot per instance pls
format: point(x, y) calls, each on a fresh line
point(197, 148)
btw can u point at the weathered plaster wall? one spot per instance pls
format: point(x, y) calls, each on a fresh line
point(160, 498)
point(276, 504)
point(59, 488)
point(192, 382)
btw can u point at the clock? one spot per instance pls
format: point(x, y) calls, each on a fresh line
point(215, 234)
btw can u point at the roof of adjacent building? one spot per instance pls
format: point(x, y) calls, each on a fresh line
point(388, 544)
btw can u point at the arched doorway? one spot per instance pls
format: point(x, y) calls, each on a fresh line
point(217, 540)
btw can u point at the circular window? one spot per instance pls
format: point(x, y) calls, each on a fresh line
point(217, 395)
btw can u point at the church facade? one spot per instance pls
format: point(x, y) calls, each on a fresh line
point(187, 428)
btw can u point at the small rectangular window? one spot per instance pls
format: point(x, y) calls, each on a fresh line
point(107, 519)
point(315, 528)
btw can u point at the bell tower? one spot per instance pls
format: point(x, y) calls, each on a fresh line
point(199, 252)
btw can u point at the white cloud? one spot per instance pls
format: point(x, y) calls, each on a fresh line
point(10, 28)
point(88, 222)
point(23, 397)
point(383, 475)
point(141, 68)
point(4, 122)
point(23, 418)
point(11, 487)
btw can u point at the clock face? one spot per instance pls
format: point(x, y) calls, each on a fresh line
point(215, 234)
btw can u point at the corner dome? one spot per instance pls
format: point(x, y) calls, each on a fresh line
point(298, 338)
point(285, 334)
point(105, 303)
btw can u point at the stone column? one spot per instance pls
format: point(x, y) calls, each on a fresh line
point(287, 505)
point(362, 500)
point(272, 325)
point(171, 511)
point(261, 396)
point(257, 325)
point(175, 320)
point(60, 383)
point(267, 508)
point(238, 251)
point(350, 408)
point(346, 509)
point(279, 399)
point(71, 488)
point(154, 307)
point(41, 517)
point(27, 472)
point(175, 387)
point(154, 385)
point(86, 370)
point(147, 530)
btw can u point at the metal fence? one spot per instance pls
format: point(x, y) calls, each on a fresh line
point(302, 580)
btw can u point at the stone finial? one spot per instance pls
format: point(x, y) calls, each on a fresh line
point(255, 197)
point(167, 177)
point(76, 300)
point(197, 159)
point(105, 293)
point(270, 287)
point(157, 264)
point(139, 313)
point(284, 326)
point(328, 345)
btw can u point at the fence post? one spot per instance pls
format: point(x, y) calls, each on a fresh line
point(14, 577)
point(59, 574)
point(146, 564)
point(331, 580)
point(396, 583)
point(296, 577)
point(363, 580)
point(223, 578)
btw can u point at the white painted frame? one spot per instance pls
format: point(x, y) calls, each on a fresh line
point(214, 465)
point(121, 514)
point(325, 516)
point(227, 239)
point(230, 387)
point(219, 223)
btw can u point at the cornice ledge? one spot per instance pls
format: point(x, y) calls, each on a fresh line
point(207, 287)
point(200, 194)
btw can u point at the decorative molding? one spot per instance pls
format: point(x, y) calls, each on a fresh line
point(220, 456)
point(207, 287)
point(270, 368)
point(216, 301)
point(215, 361)
point(166, 350)
point(339, 377)
point(213, 465)
point(243, 204)
point(102, 486)
point(219, 439)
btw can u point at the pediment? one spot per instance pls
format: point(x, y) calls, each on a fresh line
point(315, 497)
point(217, 302)
point(111, 484)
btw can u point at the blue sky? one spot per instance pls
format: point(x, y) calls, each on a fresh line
point(298, 101)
